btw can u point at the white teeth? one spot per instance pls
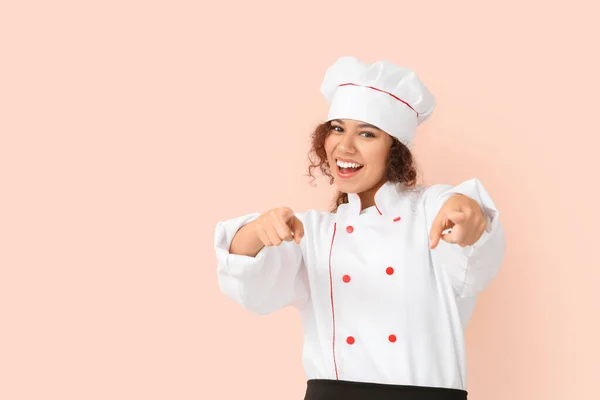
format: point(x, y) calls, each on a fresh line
point(343, 164)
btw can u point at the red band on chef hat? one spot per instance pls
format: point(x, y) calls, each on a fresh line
point(382, 91)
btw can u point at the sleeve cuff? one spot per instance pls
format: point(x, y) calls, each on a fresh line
point(236, 264)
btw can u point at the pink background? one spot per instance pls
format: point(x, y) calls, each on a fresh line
point(128, 129)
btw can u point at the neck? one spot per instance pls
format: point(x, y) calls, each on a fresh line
point(367, 198)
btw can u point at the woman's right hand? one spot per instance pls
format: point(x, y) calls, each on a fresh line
point(278, 225)
point(270, 229)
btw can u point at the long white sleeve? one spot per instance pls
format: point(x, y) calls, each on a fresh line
point(274, 279)
point(472, 268)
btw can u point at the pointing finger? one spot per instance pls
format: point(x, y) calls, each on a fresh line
point(436, 230)
point(298, 229)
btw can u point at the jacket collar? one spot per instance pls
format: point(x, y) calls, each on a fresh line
point(388, 195)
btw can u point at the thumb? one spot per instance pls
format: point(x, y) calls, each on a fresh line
point(285, 213)
point(457, 217)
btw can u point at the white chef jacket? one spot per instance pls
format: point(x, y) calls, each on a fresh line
point(377, 304)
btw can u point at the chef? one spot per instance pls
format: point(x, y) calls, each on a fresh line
point(386, 282)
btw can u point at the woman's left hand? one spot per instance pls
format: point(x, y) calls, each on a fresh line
point(464, 216)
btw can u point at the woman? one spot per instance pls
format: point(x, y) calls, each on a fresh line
point(386, 282)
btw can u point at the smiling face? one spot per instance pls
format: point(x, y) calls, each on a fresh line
point(358, 154)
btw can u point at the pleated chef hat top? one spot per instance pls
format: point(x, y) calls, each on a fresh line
point(383, 94)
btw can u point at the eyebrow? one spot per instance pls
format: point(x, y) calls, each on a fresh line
point(339, 121)
point(368, 126)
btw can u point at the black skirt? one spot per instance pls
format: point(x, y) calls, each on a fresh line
point(325, 389)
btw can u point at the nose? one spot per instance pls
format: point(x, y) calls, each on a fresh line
point(346, 143)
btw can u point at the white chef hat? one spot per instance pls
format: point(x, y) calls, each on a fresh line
point(383, 94)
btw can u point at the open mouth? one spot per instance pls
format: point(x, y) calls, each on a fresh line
point(347, 169)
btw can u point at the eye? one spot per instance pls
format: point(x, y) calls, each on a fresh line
point(368, 134)
point(337, 128)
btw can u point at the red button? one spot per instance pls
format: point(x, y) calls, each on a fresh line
point(346, 278)
point(350, 340)
point(396, 219)
point(389, 270)
point(392, 338)
point(349, 229)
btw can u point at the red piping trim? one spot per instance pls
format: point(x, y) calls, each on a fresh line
point(383, 91)
point(331, 296)
point(378, 210)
